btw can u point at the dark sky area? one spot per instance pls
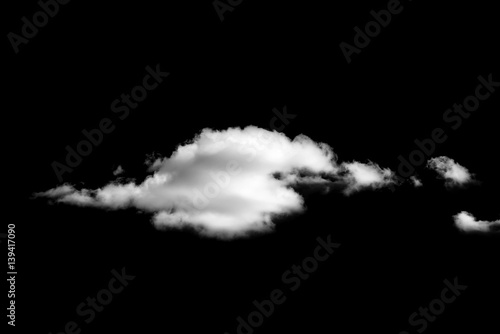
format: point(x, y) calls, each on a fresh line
point(397, 248)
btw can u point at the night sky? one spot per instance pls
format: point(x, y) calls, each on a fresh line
point(395, 249)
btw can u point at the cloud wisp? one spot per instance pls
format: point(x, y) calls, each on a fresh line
point(466, 222)
point(416, 181)
point(232, 182)
point(119, 170)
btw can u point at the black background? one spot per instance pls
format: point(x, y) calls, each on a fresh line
point(396, 247)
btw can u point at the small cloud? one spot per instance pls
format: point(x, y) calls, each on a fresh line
point(118, 171)
point(468, 223)
point(452, 172)
point(416, 182)
point(358, 175)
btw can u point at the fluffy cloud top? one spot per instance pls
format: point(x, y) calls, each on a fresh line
point(468, 223)
point(226, 183)
point(452, 172)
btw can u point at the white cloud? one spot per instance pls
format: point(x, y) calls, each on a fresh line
point(359, 175)
point(468, 223)
point(225, 183)
point(452, 172)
